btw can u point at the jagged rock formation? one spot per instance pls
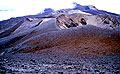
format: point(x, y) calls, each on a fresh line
point(77, 19)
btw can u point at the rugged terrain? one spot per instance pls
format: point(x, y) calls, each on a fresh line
point(68, 41)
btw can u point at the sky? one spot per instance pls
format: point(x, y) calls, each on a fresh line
point(15, 8)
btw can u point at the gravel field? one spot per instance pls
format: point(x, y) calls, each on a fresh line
point(36, 63)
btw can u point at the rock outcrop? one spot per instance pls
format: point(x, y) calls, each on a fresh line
point(77, 19)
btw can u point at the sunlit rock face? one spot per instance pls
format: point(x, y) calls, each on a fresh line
point(78, 19)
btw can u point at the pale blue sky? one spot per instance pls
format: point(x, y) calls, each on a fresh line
point(14, 8)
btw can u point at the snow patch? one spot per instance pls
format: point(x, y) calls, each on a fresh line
point(77, 11)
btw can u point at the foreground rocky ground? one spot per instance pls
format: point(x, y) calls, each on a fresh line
point(44, 63)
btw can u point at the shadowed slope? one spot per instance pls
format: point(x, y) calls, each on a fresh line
point(9, 31)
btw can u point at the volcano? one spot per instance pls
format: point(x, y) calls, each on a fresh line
point(79, 40)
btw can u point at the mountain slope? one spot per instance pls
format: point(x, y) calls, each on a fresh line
point(84, 40)
point(34, 35)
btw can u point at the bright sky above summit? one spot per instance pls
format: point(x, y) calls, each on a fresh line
point(14, 8)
